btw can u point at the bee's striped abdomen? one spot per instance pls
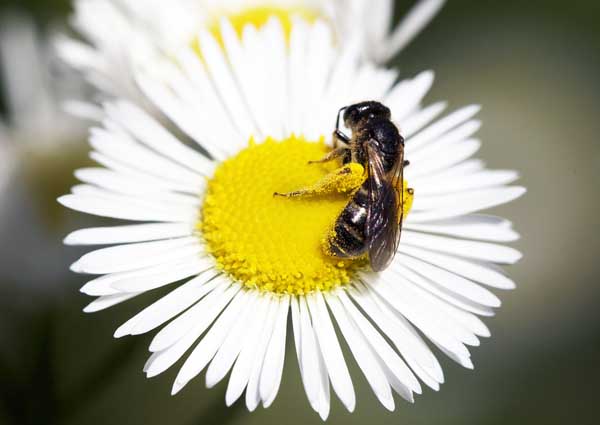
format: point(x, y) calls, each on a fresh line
point(348, 238)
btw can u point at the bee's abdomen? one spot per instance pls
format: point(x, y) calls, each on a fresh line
point(348, 238)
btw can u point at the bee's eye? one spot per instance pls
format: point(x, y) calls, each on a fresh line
point(350, 115)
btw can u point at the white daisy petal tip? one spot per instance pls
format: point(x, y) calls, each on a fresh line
point(428, 74)
point(520, 191)
point(425, 78)
point(468, 364)
point(71, 239)
point(121, 332)
point(76, 267)
point(210, 382)
point(177, 387)
point(64, 200)
point(88, 309)
point(388, 403)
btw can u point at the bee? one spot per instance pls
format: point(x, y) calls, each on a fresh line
point(371, 222)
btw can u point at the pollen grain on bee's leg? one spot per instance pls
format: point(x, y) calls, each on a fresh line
point(343, 180)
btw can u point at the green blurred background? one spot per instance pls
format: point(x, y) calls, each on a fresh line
point(535, 67)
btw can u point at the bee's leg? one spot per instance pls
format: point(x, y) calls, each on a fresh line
point(406, 163)
point(296, 193)
point(334, 154)
point(345, 179)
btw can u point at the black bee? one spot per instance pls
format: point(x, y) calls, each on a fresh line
point(372, 221)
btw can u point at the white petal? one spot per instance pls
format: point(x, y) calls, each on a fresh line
point(233, 343)
point(184, 206)
point(306, 348)
point(409, 343)
point(388, 357)
point(484, 179)
point(449, 206)
point(442, 126)
point(179, 113)
point(463, 248)
point(462, 169)
point(415, 122)
point(214, 124)
point(128, 234)
point(315, 70)
point(425, 317)
point(362, 353)
point(135, 187)
point(342, 76)
point(242, 369)
point(324, 393)
point(297, 62)
point(331, 351)
point(222, 78)
point(187, 268)
point(104, 302)
point(143, 174)
point(432, 148)
point(155, 136)
point(474, 226)
point(170, 305)
point(272, 66)
point(84, 110)
point(203, 312)
point(243, 66)
point(452, 304)
point(136, 256)
point(212, 341)
point(118, 145)
point(445, 158)
point(252, 390)
point(442, 315)
point(103, 285)
point(270, 378)
point(407, 95)
point(160, 361)
point(410, 26)
point(212, 305)
point(479, 272)
point(440, 285)
point(125, 209)
point(198, 107)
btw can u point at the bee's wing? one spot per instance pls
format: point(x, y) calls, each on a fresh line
point(382, 228)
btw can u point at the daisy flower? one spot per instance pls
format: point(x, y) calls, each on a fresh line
point(241, 262)
point(156, 25)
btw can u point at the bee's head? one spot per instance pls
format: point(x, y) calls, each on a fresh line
point(360, 112)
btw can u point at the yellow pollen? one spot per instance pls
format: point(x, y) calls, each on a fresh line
point(274, 243)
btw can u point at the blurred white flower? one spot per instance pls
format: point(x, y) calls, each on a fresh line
point(35, 88)
point(37, 139)
point(7, 160)
point(115, 31)
point(251, 260)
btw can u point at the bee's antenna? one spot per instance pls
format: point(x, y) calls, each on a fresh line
point(337, 122)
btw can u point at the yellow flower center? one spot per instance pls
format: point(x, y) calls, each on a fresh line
point(257, 16)
point(274, 243)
